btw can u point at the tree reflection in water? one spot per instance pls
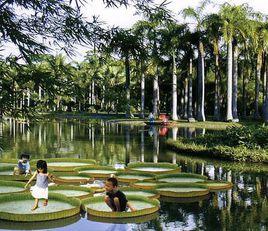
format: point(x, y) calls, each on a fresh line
point(244, 207)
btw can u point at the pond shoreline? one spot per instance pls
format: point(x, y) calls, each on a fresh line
point(219, 152)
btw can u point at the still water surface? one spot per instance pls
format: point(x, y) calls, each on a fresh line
point(245, 207)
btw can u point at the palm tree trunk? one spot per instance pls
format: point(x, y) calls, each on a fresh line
point(174, 89)
point(190, 90)
point(229, 116)
point(265, 104)
point(217, 89)
point(186, 83)
point(142, 91)
point(127, 85)
point(234, 87)
point(244, 78)
point(201, 83)
point(156, 95)
point(257, 85)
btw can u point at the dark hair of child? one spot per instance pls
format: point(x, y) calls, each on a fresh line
point(113, 180)
point(26, 156)
point(41, 164)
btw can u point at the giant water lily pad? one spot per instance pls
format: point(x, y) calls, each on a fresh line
point(182, 190)
point(6, 173)
point(140, 192)
point(71, 178)
point(39, 225)
point(134, 176)
point(97, 171)
point(155, 168)
point(17, 207)
point(145, 184)
point(67, 164)
point(7, 187)
point(181, 178)
point(72, 191)
point(97, 207)
point(217, 185)
point(136, 220)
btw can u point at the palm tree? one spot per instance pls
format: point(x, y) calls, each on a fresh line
point(197, 15)
point(171, 43)
point(214, 25)
point(235, 20)
point(126, 44)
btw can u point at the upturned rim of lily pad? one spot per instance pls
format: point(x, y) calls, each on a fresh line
point(155, 193)
point(30, 217)
point(89, 191)
point(171, 168)
point(119, 215)
point(150, 176)
point(224, 185)
point(90, 162)
point(181, 175)
point(12, 183)
point(85, 178)
point(96, 167)
point(169, 193)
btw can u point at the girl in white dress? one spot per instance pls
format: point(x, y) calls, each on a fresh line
point(40, 189)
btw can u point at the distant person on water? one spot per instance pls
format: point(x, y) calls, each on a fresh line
point(115, 198)
point(151, 117)
point(23, 166)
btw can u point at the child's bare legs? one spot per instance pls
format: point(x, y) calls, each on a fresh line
point(132, 209)
point(108, 202)
point(117, 204)
point(35, 204)
point(45, 202)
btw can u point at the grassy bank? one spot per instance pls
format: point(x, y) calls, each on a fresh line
point(244, 144)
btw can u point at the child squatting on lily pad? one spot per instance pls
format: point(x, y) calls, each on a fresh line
point(23, 166)
point(115, 198)
point(40, 189)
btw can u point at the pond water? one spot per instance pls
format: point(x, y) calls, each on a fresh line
point(244, 207)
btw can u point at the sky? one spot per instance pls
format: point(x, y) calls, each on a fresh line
point(125, 17)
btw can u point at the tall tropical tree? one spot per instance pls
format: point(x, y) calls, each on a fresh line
point(199, 17)
point(235, 24)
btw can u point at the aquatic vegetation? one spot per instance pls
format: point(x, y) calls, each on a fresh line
point(181, 178)
point(156, 168)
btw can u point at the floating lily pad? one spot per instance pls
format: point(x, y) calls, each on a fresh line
point(155, 168)
point(96, 188)
point(181, 178)
point(182, 190)
point(7, 187)
point(133, 176)
point(97, 171)
point(145, 184)
point(39, 225)
point(217, 185)
point(6, 173)
point(71, 178)
point(17, 207)
point(72, 191)
point(7, 164)
point(136, 220)
point(140, 192)
point(97, 207)
point(67, 164)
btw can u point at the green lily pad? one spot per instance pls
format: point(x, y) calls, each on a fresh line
point(181, 178)
point(155, 168)
point(97, 207)
point(182, 190)
point(17, 207)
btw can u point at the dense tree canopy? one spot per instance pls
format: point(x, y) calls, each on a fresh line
point(219, 69)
